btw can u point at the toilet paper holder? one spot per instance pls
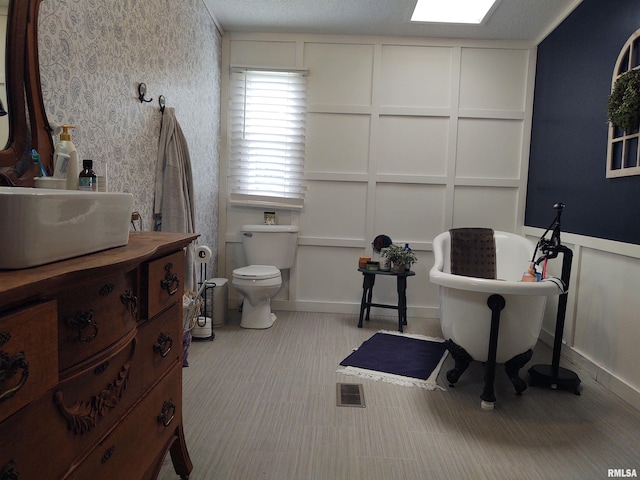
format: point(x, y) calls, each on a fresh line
point(203, 254)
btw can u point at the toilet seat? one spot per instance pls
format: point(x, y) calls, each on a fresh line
point(256, 272)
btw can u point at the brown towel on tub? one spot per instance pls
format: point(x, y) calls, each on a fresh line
point(473, 252)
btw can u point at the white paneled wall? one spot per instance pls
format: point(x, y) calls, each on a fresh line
point(406, 70)
point(607, 328)
point(407, 137)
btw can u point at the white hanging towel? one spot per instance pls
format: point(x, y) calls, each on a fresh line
point(174, 204)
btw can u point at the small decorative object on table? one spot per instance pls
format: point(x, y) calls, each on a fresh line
point(401, 258)
point(362, 262)
point(269, 218)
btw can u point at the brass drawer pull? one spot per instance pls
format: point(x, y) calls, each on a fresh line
point(9, 472)
point(163, 345)
point(168, 412)
point(82, 321)
point(8, 368)
point(171, 282)
point(130, 301)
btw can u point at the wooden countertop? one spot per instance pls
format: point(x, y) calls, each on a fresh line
point(18, 286)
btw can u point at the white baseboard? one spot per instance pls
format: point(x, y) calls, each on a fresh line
point(349, 308)
point(607, 379)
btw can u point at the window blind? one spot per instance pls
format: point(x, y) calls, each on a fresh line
point(267, 144)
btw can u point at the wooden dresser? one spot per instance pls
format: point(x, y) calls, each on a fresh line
point(91, 364)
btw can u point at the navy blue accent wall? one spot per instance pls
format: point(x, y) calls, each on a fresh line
point(569, 133)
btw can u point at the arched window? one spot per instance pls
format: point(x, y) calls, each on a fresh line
point(622, 150)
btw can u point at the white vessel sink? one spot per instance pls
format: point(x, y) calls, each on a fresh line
point(41, 226)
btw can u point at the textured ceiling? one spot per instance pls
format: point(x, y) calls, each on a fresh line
point(526, 20)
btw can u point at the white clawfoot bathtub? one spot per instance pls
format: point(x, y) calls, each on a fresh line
point(466, 318)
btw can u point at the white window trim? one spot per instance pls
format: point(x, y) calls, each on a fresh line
point(615, 138)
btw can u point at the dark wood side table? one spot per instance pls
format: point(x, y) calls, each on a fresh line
point(369, 279)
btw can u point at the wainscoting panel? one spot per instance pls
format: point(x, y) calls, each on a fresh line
point(335, 210)
point(272, 54)
point(410, 213)
point(331, 276)
point(415, 76)
point(340, 74)
point(607, 326)
point(494, 79)
point(485, 207)
point(487, 147)
point(348, 151)
point(415, 145)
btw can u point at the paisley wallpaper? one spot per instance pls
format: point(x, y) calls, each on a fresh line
point(94, 53)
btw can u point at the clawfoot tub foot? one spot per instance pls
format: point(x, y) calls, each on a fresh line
point(513, 366)
point(495, 303)
point(462, 360)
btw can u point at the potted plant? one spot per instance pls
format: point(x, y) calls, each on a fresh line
point(623, 109)
point(400, 257)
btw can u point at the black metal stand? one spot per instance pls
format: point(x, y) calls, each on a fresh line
point(553, 375)
point(205, 288)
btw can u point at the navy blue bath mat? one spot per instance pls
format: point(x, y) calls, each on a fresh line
point(400, 358)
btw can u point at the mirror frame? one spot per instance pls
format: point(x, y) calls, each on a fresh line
point(24, 93)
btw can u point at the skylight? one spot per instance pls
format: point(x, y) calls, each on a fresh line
point(452, 11)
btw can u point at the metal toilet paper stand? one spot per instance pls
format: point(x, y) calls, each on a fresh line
point(204, 323)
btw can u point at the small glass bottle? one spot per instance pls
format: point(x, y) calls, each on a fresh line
point(87, 180)
point(407, 266)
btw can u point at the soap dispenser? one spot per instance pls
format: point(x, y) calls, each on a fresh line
point(65, 159)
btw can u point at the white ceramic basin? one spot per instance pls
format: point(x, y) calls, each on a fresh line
point(41, 226)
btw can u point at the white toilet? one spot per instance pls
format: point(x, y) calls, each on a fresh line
point(268, 248)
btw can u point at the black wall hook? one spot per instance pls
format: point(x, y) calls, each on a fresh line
point(142, 91)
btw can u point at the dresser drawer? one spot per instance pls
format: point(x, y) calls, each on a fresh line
point(28, 355)
point(93, 399)
point(164, 283)
point(159, 348)
point(54, 431)
point(93, 316)
point(141, 436)
point(28, 446)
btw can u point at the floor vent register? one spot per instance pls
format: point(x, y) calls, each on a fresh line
point(350, 395)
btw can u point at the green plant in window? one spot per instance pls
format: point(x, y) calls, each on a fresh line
point(623, 109)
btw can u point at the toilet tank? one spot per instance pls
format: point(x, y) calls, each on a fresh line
point(270, 244)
